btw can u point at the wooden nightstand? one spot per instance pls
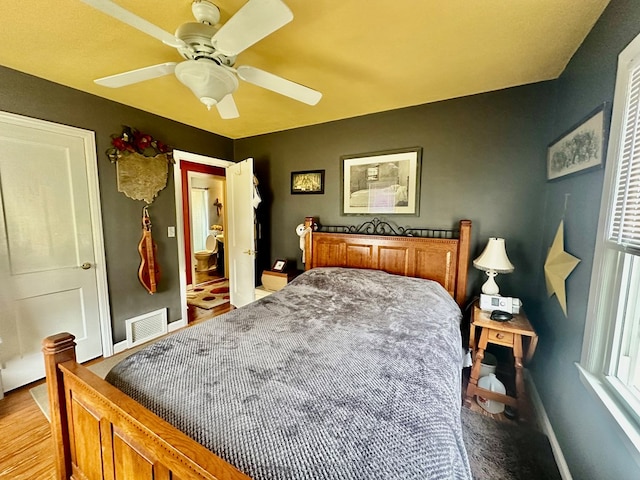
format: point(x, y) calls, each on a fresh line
point(509, 334)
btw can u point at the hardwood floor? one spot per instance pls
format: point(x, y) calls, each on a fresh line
point(197, 314)
point(26, 449)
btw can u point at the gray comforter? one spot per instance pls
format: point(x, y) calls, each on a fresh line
point(343, 374)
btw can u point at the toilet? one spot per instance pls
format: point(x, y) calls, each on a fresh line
point(207, 257)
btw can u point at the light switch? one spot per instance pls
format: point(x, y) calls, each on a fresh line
point(171, 232)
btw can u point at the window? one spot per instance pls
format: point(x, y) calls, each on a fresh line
point(610, 363)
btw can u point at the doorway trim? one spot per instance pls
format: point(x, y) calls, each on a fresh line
point(91, 164)
point(179, 157)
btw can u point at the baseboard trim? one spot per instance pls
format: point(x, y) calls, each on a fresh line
point(119, 347)
point(545, 424)
point(173, 326)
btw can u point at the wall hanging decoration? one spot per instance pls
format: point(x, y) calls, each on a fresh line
point(381, 183)
point(149, 270)
point(142, 163)
point(309, 181)
point(580, 149)
point(558, 267)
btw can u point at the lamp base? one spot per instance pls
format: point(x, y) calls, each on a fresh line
point(490, 287)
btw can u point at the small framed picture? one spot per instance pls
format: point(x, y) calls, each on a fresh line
point(309, 181)
point(279, 265)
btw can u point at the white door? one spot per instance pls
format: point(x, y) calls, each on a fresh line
point(47, 257)
point(240, 237)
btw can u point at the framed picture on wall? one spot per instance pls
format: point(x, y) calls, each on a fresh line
point(581, 148)
point(382, 182)
point(309, 181)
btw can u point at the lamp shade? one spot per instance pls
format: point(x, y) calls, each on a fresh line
point(494, 257)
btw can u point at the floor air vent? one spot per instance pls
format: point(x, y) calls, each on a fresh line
point(146, 327)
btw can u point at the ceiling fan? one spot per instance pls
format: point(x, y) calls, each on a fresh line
point(210, 52)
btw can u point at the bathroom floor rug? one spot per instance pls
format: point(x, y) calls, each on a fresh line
point(209, 295)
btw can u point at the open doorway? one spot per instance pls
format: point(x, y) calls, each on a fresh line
point(191, 179)
point(204, 189)
point(238, 224)
point(206, 222)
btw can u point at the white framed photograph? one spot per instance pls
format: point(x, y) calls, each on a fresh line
point(382, 182)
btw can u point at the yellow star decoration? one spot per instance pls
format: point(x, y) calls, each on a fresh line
point(558, 267)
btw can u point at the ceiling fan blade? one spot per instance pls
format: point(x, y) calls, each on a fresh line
point(254, 21)
point(227, 108)
point(134, 76)
point(279, 85)
point(125, 16)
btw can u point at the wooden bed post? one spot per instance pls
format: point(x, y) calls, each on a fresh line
point(58, 349)
point(463, 261)
point(309, 222)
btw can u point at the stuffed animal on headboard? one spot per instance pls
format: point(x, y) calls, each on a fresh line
point(302, 233)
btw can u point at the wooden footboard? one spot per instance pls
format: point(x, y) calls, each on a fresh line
point(101, 433)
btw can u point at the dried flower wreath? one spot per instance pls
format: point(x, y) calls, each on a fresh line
point(134, 141)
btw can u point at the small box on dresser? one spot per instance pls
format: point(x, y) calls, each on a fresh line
point(274, 281)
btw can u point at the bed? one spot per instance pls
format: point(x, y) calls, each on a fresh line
point(315, 381)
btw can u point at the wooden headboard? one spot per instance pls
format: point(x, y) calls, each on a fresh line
point(445, 260)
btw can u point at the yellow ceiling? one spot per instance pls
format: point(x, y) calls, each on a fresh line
point(365, 56)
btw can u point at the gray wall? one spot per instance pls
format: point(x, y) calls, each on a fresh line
point(483, 159)
point(583, 427)
point(27, 95)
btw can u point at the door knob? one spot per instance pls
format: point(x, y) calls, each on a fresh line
point(250, 252)
point(85, 266)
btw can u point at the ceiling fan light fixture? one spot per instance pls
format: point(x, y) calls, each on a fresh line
point(208, 81)
point(210, 52)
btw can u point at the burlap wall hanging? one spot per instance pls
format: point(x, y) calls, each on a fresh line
point(142, 164)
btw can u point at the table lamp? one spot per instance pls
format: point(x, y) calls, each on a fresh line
point(493, 260)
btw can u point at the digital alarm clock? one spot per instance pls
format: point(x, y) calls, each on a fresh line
point(497, 302)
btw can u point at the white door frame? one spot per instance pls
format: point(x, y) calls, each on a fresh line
point(179, 156)
point(91, 164)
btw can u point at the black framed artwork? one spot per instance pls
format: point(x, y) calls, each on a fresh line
point(307, 182)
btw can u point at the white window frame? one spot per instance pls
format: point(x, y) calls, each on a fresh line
point(605, 292)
